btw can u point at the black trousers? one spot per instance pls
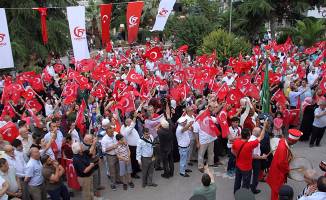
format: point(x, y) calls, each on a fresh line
point(168, 164)
point(134, 163)
point(316, 135)
point(241, 176)
point(256, 163)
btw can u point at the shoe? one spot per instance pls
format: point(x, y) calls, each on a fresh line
point(109, 177)
point(132, 185)
point(190, 164)
point(188, 170)
point(152, 185)
point(119, 183)
point(125, 186)
point(100, 188)
point(135, 176)
point(317, 145)
point(184, 175)
point(201, 170)
point(165, 176)
point(113, 187)
point(256, 191)
point(158, 169)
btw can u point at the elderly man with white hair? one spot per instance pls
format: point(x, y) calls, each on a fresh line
point(84, 168)
point(256, 162)
point(311, 178)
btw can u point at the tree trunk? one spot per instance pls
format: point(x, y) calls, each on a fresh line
point(273, 27)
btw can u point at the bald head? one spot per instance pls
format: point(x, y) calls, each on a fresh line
point(311, 176)
point(256, 131)
point(88, 139)
point(128, 122)
point(23, 131)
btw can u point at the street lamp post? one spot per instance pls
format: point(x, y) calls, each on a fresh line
point(230, 25)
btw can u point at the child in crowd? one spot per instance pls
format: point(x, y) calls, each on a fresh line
point(123, 154)
point(234, 133)
point(278, 124)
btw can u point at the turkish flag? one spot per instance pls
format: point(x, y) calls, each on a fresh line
point(14, 92)
point(28, 94)
point(153, 54)
point(127, 103)
point(8, 110)
point(70, 93)
point(292, 117)
point(256, 50)
point(165, 67)
point(211, 58)
point(46, 76)
point(243, 83)
point(222, 91)
point(25, 76)
point(201, 59)
point(234, 96)
point(274, 78)
point(82, 81)
point(43, 15)
point(80, 119)
point(36, 120)
point(134, 10)
point(279, 97)
point(105, 10)
point(72, 74)
point(207, 124)
point(72, 180)
point(9, 131)
point(86, 65)
point(33, 103)
point(134, 77)
point(253, 91)
point(99, 91)
point(183, 48)
point(222, 119)
point(322, 85)
point(37, 83)
point(198, 83)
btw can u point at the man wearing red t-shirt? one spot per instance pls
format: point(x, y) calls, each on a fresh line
point(243, 149)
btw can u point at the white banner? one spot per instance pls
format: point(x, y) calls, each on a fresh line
point(6, 59)
point(76, 20)
point(163, 13)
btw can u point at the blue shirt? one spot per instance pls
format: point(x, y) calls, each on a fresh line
point(34, 171)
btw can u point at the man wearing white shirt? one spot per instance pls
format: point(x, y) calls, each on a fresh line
point(183, 140)
point(109, 144)
point(256, 162)
point(320, 194)
point(312, 76)
point(132, 137)
point(57, 144)
point(192, 147)
point(228, 79)
point(25, 138)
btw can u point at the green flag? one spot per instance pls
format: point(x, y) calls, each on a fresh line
point(265, 97)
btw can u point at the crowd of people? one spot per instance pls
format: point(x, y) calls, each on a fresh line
point(131, 112)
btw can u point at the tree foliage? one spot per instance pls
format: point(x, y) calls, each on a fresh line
point(189, 30)
point(226, 45)
point(306, 32)
point(25, 29)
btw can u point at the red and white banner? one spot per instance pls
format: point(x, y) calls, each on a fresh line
point(134, 10)
point(6, 60)
point(106, 10)
point(76, 20)
point(163, 13)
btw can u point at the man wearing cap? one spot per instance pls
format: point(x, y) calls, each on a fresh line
point(279, 169)
point(319, 124)
point(183, 139)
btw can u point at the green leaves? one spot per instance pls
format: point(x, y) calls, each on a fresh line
point(226, 45)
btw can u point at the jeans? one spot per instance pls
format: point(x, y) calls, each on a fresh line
point(231, 162)
point(241, 176)
point(60, 193)
point(183, 152)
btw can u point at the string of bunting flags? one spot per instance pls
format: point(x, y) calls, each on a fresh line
point(77, 27)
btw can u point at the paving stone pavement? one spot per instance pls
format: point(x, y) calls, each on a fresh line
point(180, 188)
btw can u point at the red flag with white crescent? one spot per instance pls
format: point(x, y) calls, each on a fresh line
point(105, 10)
point(222, 120)
point(72, 180)
point(134, 77)
point(134, 10)
point(127, 103)
point(80, 119)
point(28, 94)
point(154, 54)
point(9, 131)
point(33, 104)
point(207, 124)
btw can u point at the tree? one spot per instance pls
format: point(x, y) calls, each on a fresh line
point(189, 30)
point(226, 45)
point(306, 32)
point(25, 30)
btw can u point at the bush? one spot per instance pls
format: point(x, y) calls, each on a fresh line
point(226, 45)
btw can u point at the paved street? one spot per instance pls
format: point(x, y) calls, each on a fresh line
point(180, 188)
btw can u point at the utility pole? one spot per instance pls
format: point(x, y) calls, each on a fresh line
point(230, 25)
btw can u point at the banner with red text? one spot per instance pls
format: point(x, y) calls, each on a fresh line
point(105, 10)
point(76, 20)
point(134, 10)
point(163, 13)
point(6, 59)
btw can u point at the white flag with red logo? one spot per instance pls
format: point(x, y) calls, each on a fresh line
point(6, 60)
point(163, 13)
point(76, 20)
